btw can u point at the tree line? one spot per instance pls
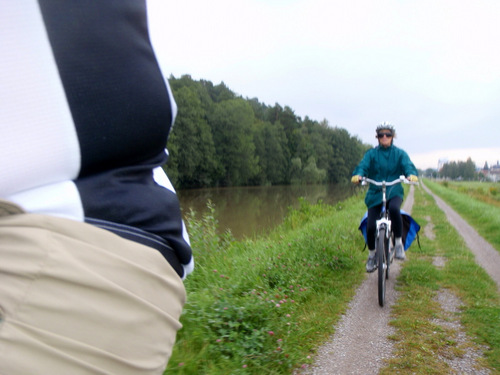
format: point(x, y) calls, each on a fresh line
point(456, 170)
point(222, 139)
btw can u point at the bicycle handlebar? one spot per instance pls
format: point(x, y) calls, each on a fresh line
point(401, 178)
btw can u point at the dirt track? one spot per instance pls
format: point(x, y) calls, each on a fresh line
point(360, 344)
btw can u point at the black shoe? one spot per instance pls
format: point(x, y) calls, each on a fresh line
point(371, 264)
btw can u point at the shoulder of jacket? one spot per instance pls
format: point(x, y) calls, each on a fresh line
point(401, 151)
point(398, 150)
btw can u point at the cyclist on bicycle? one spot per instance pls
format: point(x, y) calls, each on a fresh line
point(385, 162)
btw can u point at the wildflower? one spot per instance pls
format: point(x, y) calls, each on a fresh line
point(271, 333)
point(244, 366)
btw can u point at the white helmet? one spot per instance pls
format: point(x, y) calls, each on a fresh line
point(386, 126)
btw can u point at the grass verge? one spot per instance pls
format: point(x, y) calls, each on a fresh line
point(421, 343)
point(263, 306)
point(474, 204)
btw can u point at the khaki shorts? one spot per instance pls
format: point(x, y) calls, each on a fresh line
point(76, 299)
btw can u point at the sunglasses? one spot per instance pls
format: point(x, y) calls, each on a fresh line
point(382, 135)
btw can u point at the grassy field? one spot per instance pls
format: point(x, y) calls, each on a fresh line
point(423, 345)
point(263, 306)
point(477, 202)
point(488, 192)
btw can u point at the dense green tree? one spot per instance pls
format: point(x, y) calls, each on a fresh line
point(469, 170)
point(231, 124)
point(311, 174)
point(193, 157)
point(219, 92)
point(459, 170)
point(347, 153)
point(271, 148)
point(200, 87)
point(320, 137)
point(296, 171)
point(260, 110)
point(222, 139)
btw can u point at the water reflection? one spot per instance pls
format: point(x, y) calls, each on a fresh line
point(250, 211)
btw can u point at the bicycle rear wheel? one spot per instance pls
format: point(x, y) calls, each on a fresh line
point(382, 265)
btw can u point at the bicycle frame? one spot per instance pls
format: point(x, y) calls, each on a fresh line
point(384, 228)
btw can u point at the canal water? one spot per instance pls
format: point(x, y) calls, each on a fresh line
point(250, 211)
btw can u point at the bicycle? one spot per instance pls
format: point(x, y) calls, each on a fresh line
point(384, 242)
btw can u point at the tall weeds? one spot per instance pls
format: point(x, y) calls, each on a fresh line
point(263, 305)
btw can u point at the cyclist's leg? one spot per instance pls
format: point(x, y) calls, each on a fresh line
point(371, 228)
point(371, 225)
point(394, 206)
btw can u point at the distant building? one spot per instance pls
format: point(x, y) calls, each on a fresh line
point(493, 172)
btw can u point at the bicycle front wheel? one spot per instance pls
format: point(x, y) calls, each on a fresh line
point(382, 265)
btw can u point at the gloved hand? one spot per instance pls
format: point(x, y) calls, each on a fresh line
point(413, 178)
point(356, 179)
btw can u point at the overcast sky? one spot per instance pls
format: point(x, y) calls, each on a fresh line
point(430, 67)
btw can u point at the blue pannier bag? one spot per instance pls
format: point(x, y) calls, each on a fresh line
point(410, 229)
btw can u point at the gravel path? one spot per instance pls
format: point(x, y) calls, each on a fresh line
point(486, 255)
point(361, 334)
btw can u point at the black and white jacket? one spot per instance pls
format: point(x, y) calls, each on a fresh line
point(85, 113)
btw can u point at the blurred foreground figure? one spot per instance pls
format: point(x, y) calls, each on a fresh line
point(93, 249)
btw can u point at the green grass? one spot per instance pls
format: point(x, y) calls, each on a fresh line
point(475, 203)
point(420, 342)
point(488, 192)
point(263, 306)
